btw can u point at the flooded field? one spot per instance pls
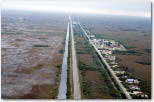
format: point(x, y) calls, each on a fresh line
point(31, 53)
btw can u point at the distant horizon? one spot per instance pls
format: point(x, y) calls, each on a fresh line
point(61, 12)
point(137, 8)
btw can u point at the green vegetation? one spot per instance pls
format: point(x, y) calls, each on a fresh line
point(55, 92)
point(11, 33)
point(83, 66)
point(128, 29)
point(101, 36)
point(59, 66)
point(147, 90)
point(148, 50)
point(128, 52)
point(144, 63)
point(42, 38)
point(38, 45)
point(83, 47)
point(61, 51)
point(68, 94)
point(125, 45)
point(85, 86)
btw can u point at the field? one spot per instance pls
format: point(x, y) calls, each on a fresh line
point(134, 33)
point(32, 52)
point(94, 79)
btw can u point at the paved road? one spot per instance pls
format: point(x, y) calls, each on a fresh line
point(109, 68)
point(63, 81)
point(76, 83)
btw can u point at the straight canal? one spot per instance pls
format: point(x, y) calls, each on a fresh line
point(63, 82)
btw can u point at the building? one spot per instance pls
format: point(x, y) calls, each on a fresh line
point(134, 87)
point(119, 72)
point(132, 81)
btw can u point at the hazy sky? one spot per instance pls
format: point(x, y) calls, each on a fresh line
point(115, 7)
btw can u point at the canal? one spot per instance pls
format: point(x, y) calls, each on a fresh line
point(63, 82)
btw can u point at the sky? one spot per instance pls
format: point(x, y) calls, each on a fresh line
point(113, 7)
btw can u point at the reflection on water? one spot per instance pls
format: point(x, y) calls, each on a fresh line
point(63, 82)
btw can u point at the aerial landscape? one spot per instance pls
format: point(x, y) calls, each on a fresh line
point(74, 55)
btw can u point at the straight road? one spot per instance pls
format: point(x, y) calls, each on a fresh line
point(109, 68)
point(76, 83)
point(63, 81)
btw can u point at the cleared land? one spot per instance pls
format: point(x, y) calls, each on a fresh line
point(32, 52)
point(134, 33)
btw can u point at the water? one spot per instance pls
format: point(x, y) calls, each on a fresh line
point(63, 82)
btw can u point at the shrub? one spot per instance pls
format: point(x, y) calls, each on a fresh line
point(59, 66)
point(61, 51)
point(38, 45)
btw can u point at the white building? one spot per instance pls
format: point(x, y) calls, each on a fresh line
point(119, 72)
point(132, 81)
point(134, 87)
